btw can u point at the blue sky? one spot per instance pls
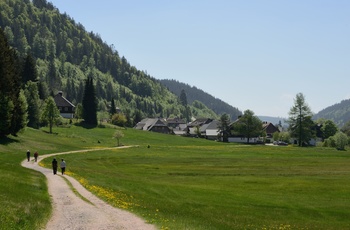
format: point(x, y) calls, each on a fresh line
point(252, 54)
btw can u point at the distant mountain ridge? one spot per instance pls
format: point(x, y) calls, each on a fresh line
point(193, 93)
point(339, 113)
point(274, 120)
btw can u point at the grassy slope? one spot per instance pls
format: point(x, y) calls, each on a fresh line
point(186, 183)
point(25, 203)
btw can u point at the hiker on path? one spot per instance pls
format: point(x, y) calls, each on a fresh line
point(54, 166)
point(63, 166)
point(28, 155)
point(36, 156)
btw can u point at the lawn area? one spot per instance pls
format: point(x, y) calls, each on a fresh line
point(183, 183)
point(186, 183)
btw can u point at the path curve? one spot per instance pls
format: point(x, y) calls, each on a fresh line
point(71, 212)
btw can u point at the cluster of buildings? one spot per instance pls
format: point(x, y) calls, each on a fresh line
point(202, 127)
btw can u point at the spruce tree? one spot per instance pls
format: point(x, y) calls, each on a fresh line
point(183, 98)
point(29, 72)
point(89, 103)
point(20, 114)
point(32, 95)
point(13, 104)
point(113, 110)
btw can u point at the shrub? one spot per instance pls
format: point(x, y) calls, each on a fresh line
point(329, 142)
point(119, 119)
point(341, 140)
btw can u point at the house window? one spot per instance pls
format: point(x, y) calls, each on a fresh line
point(66, 109)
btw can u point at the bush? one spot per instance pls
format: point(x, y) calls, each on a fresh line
point(119, 119)
point(341, 140)
point(329, 142)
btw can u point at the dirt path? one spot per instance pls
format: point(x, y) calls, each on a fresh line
point(71, 212)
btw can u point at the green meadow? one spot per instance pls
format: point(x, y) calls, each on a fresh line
point(182, 183)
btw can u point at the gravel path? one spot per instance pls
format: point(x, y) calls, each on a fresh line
point(71, 212)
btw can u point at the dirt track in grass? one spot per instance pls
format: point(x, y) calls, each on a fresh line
point(70, 211)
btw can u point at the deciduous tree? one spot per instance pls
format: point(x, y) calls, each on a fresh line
point(248, 125)
point(118, 135)
point(51, 114)
point(328, 129)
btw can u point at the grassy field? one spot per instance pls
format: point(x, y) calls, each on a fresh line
point(186, 183)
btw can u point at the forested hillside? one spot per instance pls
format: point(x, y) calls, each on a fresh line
point(195, 94)
point(339, 113)
point(65, 54)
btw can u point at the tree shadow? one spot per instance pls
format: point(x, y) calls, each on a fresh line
point(48, 132)
point(85, 125)
point(7, 140)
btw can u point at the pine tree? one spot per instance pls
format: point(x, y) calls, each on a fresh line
point(29, 72)
point(89, 103)
point(20, 115)
point(43, 90)
point(32, 95)
point(224, 127)
point(113, 110)
point(13, 104)
point(54, 79)
point(183, 98)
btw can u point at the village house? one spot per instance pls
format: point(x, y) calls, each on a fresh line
point(269, 129)
point(65, 107)
point(178, 126)
point(211, 130)
point(158, 125)
point(194, 128)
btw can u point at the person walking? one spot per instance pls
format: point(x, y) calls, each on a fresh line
point(36, 156)
point(63, 166)
point(54, 166)
point(28, 155)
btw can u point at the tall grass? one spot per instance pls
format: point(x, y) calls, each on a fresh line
point(184, 183)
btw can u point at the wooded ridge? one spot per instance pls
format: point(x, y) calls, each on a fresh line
point(65, 54)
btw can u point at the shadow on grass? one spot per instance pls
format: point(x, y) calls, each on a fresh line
point(48, 132)
point(7, 140)
point(85, 125)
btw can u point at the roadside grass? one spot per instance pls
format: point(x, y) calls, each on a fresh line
point(182, 183)
point(25, 202)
